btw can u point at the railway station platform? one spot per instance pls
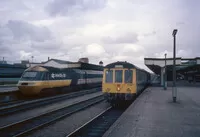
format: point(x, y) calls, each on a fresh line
point(153, 114)
point(8, 93)
point(6, 89)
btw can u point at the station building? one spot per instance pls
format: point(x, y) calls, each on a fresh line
point(186, 68)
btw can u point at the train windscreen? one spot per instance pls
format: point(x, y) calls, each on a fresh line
point(109, 76)
point(118, 76)
point(128, 76)
point(33, 75)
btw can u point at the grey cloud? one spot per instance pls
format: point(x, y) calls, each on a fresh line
point(127, 38)
point(22, 30)
point(47, 46)
point(66, 7)
point(150, 34)
point(3, 49)
point(180, 23)
point(16, 36)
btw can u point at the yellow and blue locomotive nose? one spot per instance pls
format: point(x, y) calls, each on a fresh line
point(29, 88)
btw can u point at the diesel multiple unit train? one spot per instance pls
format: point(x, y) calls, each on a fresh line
point(122, 81)
point(41, 80)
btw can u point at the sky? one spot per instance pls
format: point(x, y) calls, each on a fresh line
point(107, 30)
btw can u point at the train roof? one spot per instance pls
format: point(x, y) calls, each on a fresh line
point(123, 64)
point(119, 64)
point(84, 66)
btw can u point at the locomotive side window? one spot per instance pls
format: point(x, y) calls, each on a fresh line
point(109, 76)
point(128, 76)
point(118, 76)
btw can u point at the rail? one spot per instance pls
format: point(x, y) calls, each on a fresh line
point(26, 126)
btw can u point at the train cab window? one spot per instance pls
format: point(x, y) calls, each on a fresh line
point(31, 75)
point(118, 76)
point(128, 76)
point(109, 76)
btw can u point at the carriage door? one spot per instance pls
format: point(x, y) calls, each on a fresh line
point(118, 80)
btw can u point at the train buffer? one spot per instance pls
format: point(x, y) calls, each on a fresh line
point(153, 114)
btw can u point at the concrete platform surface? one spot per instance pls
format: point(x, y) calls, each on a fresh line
point(153, 114)
point(6, 89)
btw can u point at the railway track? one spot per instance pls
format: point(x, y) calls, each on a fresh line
point(25, 105)
point(10, 103)
point(101, 123)
point(98, 125)
point(26, 126)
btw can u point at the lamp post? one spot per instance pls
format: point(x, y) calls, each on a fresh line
point(165, 84)
point(32, 58)
point(174, 90)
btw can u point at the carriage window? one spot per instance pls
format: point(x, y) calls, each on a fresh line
point(128, 76)
point(109, 76)
point(118, 76)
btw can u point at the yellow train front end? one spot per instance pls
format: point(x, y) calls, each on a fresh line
point(119, 84)
point(32, 87)
point(37, 81)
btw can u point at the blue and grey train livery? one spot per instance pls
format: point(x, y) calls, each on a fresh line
point(46, 80)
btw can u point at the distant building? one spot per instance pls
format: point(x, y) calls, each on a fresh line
point(3, 62)
point(83, 60)
point(60, 63)
point(185, 68)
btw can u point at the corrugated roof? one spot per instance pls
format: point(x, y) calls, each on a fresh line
point(61, 61)
point(82, 65)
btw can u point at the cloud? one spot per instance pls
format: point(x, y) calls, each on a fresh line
point(127, 38)
point(24, 55)
point(20, 38)
point(24, 31)
point(150, 34)
point(180, 23)
point(67, 7)
point(47, 45)
point(107, 30)
point(94, 50)
point(132, 50)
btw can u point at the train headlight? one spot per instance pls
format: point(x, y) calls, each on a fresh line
point(26, 84)
point(118, 87)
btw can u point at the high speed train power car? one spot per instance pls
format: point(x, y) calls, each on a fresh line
point(122, 81)
point(46, 80)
